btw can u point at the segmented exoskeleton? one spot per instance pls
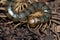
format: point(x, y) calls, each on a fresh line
point(30, 10)
point(42, 17)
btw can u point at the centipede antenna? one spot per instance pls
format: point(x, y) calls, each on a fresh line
point(39, 26)
point(17, 25)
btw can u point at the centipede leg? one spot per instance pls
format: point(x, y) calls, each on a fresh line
point(45, 26)
point(36, 27)
point(55, 21)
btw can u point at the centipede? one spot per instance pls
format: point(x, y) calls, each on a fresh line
point(36, 17)
point(29, 11)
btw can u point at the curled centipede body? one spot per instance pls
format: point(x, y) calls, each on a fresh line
point(43, 15)
point(30, 10)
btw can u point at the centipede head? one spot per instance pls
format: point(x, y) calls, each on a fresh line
point(40, 16)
